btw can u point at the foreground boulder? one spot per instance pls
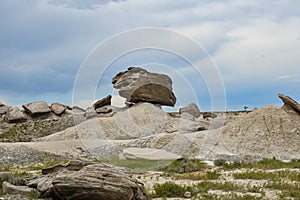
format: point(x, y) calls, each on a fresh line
point(85, 180)
point(36, 108)
point(102, 102)
point(289, 103)
point(139, 85)
point(8, 188)
point(58, 108)
point(191, 109)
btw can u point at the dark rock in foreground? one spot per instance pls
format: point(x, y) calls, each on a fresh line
point(139, 85)
point(86, 180)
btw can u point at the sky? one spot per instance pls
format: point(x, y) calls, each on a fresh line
point(253, 45)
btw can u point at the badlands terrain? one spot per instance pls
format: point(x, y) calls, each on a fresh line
point(141, 152)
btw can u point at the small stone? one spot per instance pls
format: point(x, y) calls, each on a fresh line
point(104, 110)
point(187, 194)
point(58, 108)
point(36, 108)
point(8, 188)
point(191, 109)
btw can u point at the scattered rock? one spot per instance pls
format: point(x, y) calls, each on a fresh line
point(15, 115)
point(289, 103)
point(104, 109)
point(36, 108)
point(82, 180)
point(139, 85)
point(10, 189)
point(58, 108)
point(148, 154)
point(187, 194)
point(192, 109)
point(103, 102)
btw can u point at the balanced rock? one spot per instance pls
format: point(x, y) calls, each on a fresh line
point(58, 108)
point(191, 109)
point(102, 102)
point(36, 108)
point(82, 180)
point(289, 103)
point(139, 85)
point(15, 115)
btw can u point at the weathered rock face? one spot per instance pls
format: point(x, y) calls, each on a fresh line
point(103, 102)
point(79, 180)
point(15, 115)
point(58, 108)
point(289, 103)
point(36, 108)
point(191, 109)
point(139, 85)
point(104, 109)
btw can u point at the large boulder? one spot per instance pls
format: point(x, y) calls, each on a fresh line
point(58, 108)
point(191, 109)
point(15, 115)
point(102, 102)
point(36, 108)
point(85, 180)
point(139, 85)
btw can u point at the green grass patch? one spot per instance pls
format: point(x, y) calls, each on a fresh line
point(137, 166)
point(185, 165)
point(288, 190)
point(207, 175)
point(264, 164)
point(274, 176)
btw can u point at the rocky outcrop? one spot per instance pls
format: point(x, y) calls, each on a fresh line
point(36, 108)
point(82, 180)
point(58, 108)
point(139, 85)
point(102, 102)
point(289, 103)
point(15, 115)
point(191, 109)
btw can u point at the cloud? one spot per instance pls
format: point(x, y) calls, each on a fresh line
point(43, 43)
point(289, 78)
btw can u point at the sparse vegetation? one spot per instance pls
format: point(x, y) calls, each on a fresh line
point(264, 164)
point(185, 165)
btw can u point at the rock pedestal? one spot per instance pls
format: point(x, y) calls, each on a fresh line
point(139, 85)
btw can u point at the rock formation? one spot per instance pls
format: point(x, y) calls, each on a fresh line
point(191, 109)
point(36, 108)
point(85, 180)
point(289, 103)
point(58, 108)
point(15, 115)
point(103, 102)
point(139, 85)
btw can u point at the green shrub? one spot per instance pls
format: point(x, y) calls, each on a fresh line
point(219, 162)
point(185, 165)
point(169, 189)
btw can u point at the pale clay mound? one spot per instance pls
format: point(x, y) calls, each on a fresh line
point(266, 132)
